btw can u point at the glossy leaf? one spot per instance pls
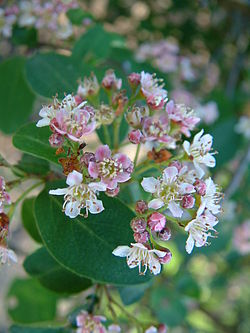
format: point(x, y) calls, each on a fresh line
point(85, 246)
point(50, 74)
point(16, 98)
point(28, 219)
point(35, 141)
point(52, 275)
point(97, 42)
point(33, 165)
point(29, 302)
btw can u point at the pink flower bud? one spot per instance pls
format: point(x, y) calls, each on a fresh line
point(110, 81)
point(162, 328)
point(188, 201)
point(166, 259)
point(56, 140)
point(176, 164)
point(141, 207)
point(164, 234)
point(134, 79)
point(87, 158)
point(200, 187)
point(141, 237)
point(78, 99)
point(156, 221)
point(138, 224)
point(135, 136)
point(114, 192)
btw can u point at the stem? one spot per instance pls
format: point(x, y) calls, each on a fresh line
point(106, 135)
point(116, 132)
point(137, 154)
point(129, 315)
point(22, 196)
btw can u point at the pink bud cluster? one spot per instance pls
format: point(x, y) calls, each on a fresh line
point(43, 15)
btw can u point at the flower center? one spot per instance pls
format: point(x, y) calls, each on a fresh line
point(110, 168)
point(169, 192)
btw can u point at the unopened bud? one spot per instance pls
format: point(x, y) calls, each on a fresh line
point(167, 258)
point(138, 224)
point(141, 207)
point(200, 187)
point(56, 140)
point(134, 79)
point(165, 234)
point(162, 328)
point(87, 158)
point(135, 136)
point(188, 201)
point(156, 221)
point(142, 237)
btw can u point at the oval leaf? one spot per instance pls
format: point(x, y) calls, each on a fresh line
point(53, 276)
point(52, 73)
point(85, 246)
point(35, 141)
point(28, 219)
point(16, 98)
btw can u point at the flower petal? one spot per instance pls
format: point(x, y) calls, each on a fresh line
point(93, 169)
point(121, 251)
point(169, 174)
point(102, 152)
point(94, 206)
point(150, 184)
point(175, 209)
point(59, 191)
point(155, 204)
point(74, 178)
point(189, 244)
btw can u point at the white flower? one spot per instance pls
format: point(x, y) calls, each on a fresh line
point(6, 255)
point(211, 198)
point(152, 329)
point(150, 86)
point(243, 126)
point(168, 190)
point(198, 230)
point(139, 255)
point(79, 195)
point(47, 113)
point(198, 151)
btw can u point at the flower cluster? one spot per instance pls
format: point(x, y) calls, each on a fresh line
point(6, 254)
point(88, 323)
point(43, 15)
point(183, 192)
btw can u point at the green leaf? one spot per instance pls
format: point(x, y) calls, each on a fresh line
point(85, 246)
point(97, 42)
point(29, 302)
point(77, 15)
point(24, 36)
point(28, 219)
point(50, 74)
point(132, 294)
point(33, 165)
point(35, 141)
point(27, 329)
point(52, 275)
point(16, 98)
